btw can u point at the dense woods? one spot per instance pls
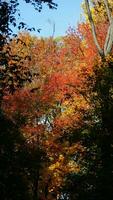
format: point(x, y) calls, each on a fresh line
point(56, 108)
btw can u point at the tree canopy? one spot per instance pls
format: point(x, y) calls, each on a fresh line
point(56, 120)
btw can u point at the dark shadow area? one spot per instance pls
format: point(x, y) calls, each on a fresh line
point(14, 182)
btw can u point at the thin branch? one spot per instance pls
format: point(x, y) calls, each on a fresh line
point(110, 41)
point(53, 30)
point(109, 38)
point(101, 52)
point(108, 10)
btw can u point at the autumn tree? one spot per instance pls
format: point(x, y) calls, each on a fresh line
point(64, 110)
point(96, 181)
point(14, 147)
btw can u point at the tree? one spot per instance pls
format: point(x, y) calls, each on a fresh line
point(99, 168)
point(7, 15)
point(94, 180)
point(64, 112)
point(16, 179)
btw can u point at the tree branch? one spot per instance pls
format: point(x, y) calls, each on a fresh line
point(109, 38)
point(101, 52)
point(108, 10)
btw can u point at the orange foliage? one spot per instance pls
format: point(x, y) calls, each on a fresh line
point(56, 99)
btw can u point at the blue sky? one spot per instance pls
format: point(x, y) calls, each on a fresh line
point(67, 14)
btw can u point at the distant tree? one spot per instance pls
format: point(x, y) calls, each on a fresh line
point(8, 10)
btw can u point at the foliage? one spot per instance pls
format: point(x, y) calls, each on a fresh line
point(58, 107)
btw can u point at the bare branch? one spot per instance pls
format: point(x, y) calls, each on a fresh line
point(107, 40)
point(108, 10)
point(101, 52)
point(110, 40)
point(53, 30)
